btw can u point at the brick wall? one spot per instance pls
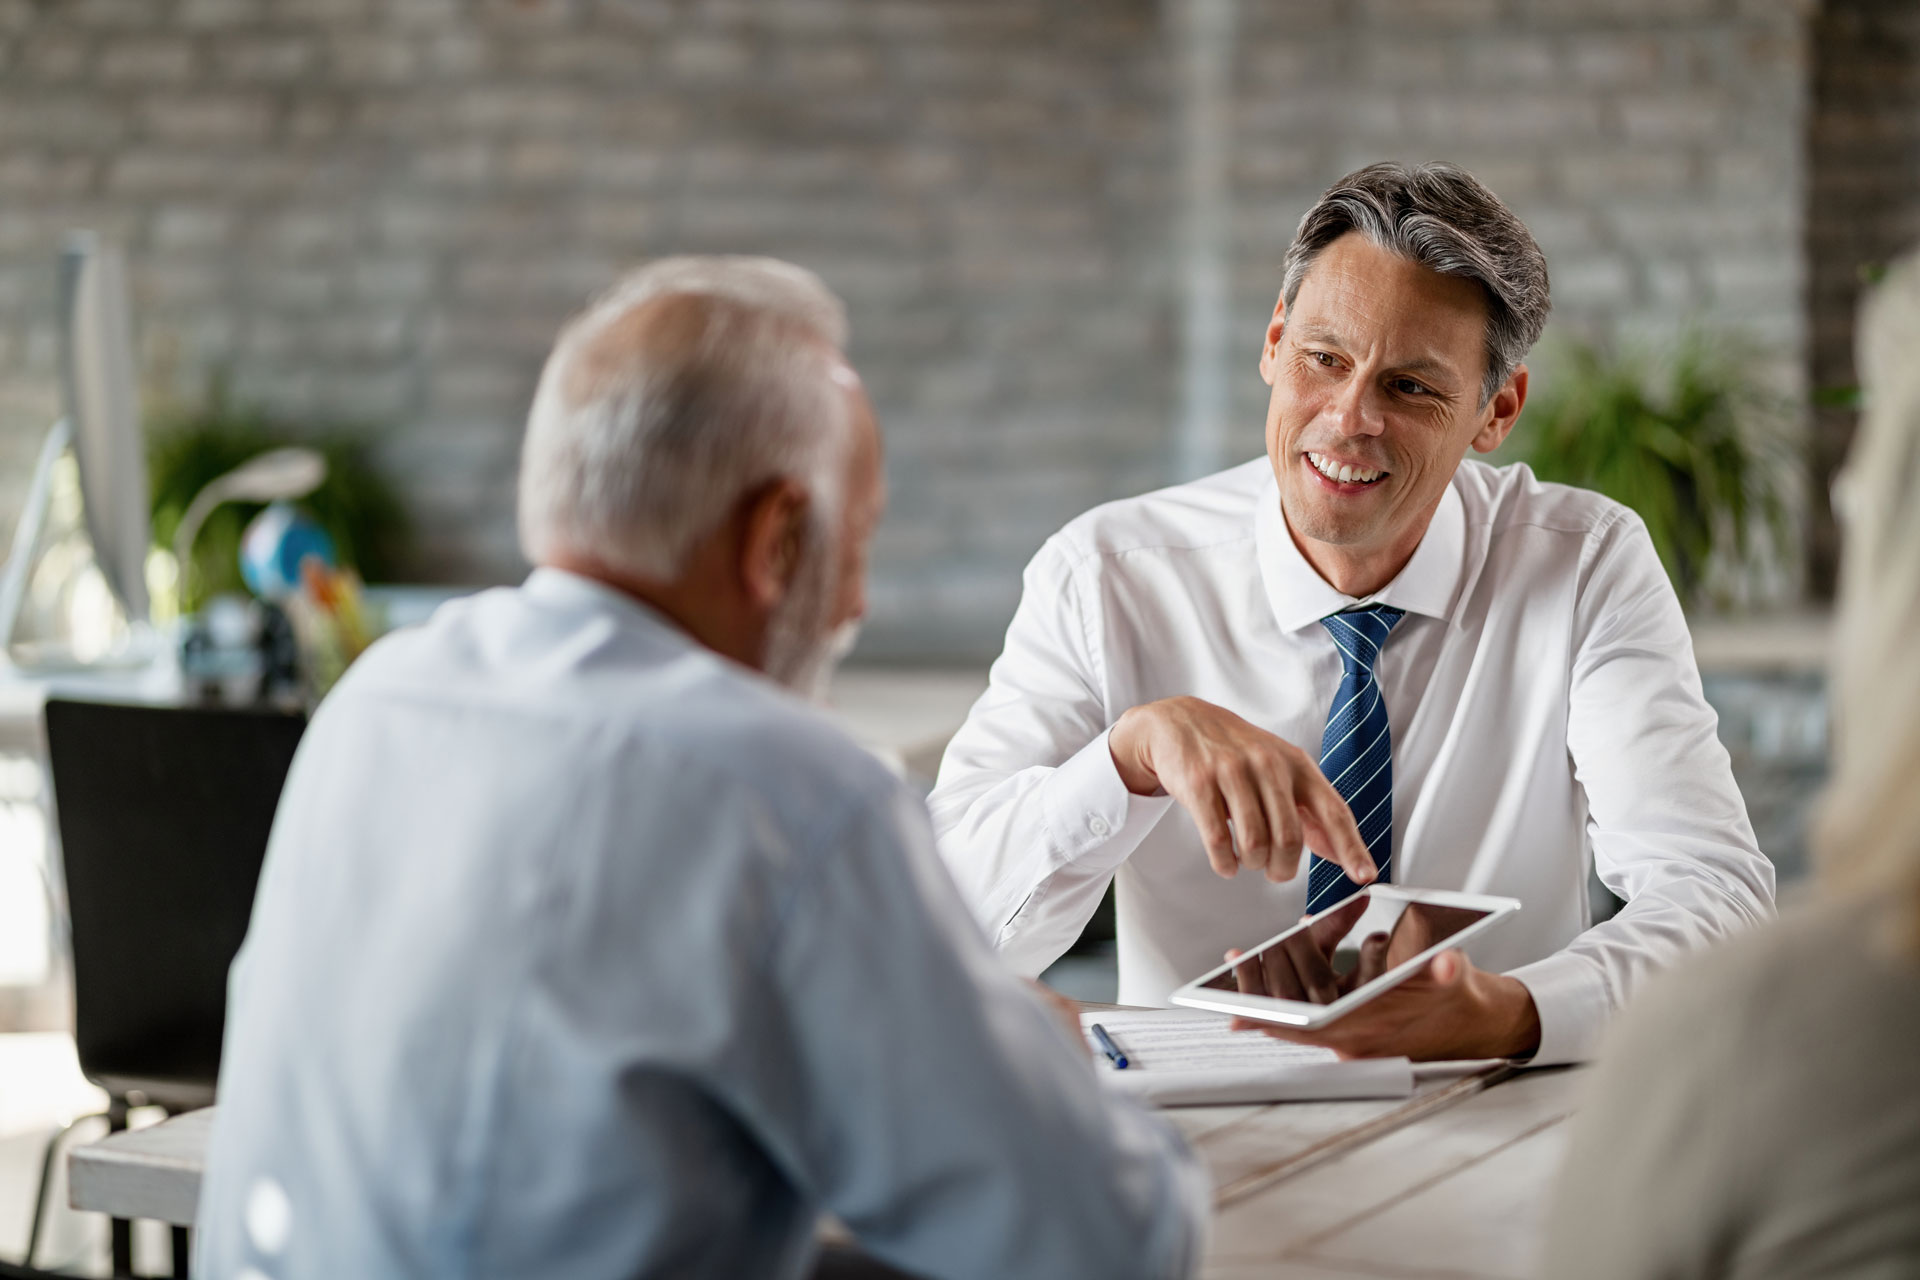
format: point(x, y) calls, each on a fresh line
point(1863, 209)
point(1652, 146)
point(381, 211)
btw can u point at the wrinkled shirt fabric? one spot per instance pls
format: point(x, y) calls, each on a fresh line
point(583, 953)
point(1546, 714)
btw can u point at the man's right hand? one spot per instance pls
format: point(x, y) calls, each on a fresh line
point(1255, 797)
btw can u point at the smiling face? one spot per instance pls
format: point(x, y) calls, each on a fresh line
point(1376, 375)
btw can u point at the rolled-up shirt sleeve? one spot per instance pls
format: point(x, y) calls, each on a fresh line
point(1666, 822)
point(1029, 809)
point(933, 1103)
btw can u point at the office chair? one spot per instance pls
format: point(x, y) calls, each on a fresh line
point(10, 1272)
point(847, 1262)
point(163, 814)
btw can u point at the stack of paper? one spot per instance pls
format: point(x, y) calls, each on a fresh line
point(1187, 1058)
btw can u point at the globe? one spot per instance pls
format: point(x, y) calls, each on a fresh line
point(276, 543)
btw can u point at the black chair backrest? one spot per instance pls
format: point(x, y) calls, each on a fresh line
point(164, 814)
point(10, 1272)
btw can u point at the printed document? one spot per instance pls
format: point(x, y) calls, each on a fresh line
point(1186, 1057)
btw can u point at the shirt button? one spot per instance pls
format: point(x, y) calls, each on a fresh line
point(1098, 825)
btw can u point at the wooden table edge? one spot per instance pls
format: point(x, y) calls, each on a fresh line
point(1415, 1108)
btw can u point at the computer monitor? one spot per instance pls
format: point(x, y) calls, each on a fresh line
point(101, 426)
point(101, 390)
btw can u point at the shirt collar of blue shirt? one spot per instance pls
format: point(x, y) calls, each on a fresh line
point(567, 590)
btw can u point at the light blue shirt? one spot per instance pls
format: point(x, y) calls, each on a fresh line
point(582, 952)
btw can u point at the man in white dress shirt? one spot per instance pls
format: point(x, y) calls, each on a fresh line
point(1521, 673)
point(584, 950)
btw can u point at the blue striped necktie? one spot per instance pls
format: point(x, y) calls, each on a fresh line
point(1356, 753)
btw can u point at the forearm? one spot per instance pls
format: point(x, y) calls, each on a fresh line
point(1033, 851)
point(1674, 911)
point(1670, 837)
point(1667, 824)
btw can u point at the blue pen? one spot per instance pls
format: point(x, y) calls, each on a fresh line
point(1108, 1047)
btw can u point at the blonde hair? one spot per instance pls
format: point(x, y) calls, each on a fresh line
point(1867, 838)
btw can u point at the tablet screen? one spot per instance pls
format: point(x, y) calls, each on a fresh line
point(1344, 948)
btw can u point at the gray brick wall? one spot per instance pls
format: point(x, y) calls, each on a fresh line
point(382, 210)
point(1654, 149)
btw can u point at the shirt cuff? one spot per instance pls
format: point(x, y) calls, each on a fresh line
point(1090, 808)
point(1571, 1000)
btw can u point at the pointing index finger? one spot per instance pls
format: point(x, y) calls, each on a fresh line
point(1332, 832)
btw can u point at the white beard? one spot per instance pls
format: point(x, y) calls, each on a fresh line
point(802, 651)
point(813, 674)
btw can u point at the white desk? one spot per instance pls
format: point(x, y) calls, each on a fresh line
point(145, 1173)
point(1452, 1185)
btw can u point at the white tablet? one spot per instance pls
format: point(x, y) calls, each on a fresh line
point(1332, 963)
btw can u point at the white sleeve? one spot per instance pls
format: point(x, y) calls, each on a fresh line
point(1668, 826)
point(1029, 810)
point(938, 1108)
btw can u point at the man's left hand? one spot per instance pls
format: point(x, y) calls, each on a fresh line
point(1448, 1010)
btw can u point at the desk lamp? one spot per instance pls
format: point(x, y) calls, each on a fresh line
point(278, 475)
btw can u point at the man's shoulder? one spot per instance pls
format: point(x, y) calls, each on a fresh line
point(1198, 514)
point(690, 709)
point(737, 732)
point(754, 730)
point(1512, 497)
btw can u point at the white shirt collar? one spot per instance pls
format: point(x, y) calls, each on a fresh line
point(567, 589)
point(1299, 596)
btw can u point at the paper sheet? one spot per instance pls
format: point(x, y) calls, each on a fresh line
point(1183, 1058)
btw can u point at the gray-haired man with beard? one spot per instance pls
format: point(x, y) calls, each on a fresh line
point(584, 949)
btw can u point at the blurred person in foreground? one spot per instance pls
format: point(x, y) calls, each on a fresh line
point(585, 949)
point(1759, 1115)
point(1426, 669)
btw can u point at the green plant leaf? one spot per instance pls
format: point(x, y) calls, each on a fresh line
point(191, 445)
point(1689, 440)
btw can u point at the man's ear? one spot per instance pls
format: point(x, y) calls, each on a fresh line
point(1270, 353)
point(774, 524)
point(1502, 412)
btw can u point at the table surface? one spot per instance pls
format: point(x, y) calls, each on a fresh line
point(1452, 1183)
point(1458, 1191)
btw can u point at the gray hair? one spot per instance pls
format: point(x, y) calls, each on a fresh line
point(1441, 217)
point(681, 389)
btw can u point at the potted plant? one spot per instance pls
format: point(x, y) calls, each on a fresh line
point(190, 446)
point(1691, 440)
